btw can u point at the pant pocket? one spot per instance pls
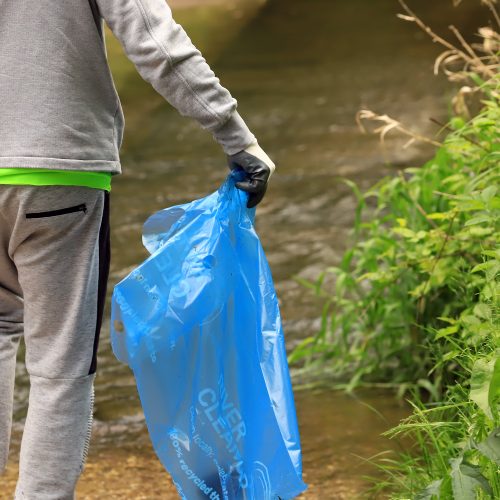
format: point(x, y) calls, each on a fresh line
point(82, 207)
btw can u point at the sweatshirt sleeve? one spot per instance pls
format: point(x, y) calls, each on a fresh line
point(165, 56)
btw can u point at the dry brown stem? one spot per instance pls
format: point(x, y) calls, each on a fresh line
point(458, 63)
point(388, 124)
point(486, 66)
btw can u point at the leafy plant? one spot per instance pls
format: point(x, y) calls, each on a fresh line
point(415, 301)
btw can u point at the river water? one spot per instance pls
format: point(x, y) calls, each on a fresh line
point(300, 71)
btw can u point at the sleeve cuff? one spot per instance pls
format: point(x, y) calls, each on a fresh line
point(234, 135)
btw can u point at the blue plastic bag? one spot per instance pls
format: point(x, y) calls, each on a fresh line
point(198, 322)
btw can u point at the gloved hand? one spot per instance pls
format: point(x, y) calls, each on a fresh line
point(258, 168)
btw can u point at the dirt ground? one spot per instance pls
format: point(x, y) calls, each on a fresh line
point(123, 474)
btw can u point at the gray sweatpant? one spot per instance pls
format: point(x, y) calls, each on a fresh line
point(54, 265)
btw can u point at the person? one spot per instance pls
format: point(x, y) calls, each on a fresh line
point(61, 131)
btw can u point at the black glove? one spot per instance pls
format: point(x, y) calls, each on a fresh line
point(258, 168)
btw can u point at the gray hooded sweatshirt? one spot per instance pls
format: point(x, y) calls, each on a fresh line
point(59, 107)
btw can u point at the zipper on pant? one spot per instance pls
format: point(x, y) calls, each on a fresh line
point(51, 213)
point(89, 429)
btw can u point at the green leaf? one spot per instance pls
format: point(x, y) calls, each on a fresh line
point(494, 394)
point(485, 384)
point(469, 320)
point(440, 215)
point(491, 268)
point(490, 447)
point(482, 310)
point(466, 479)
point(420, 289)
point(300, 350)
point(305, 282)
point(484, 122)
point(469, 204)
point(444, 332)
point(451, 321)
point(479, 219)
point(375, 276)
point(432, 490)
point(476, 79)
point(405, 232)
point(457, 122)
point(488, 193)
point(492, 253)
point(450, 355)
point(495, 203)
point(480, 231)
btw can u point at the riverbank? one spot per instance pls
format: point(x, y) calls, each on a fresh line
point(123, 465)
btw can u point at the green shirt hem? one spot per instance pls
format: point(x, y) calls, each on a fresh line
point(51, 177)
